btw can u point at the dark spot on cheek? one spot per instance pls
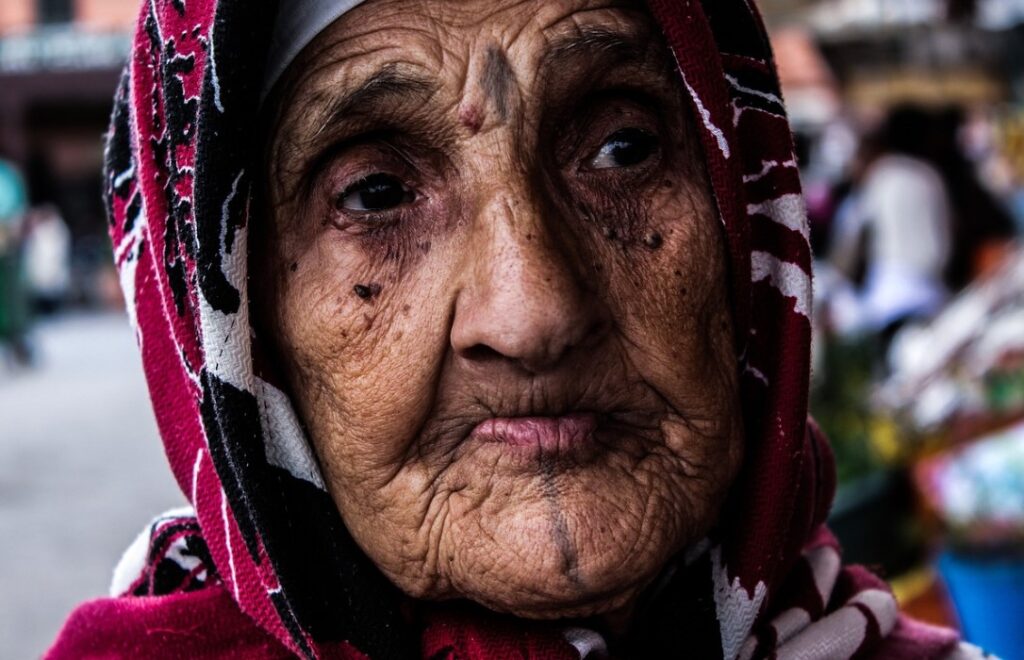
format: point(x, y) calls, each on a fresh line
point(367, 291)
point(406, 308)
point(619, 219)
point(654, 240)
point(424, 247)
point(294, 267)
point(369, 321)
point(667, 183)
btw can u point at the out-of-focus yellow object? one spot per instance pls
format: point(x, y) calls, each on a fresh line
point(913, 584)
point(921, 595)
point(1011, 141)
point(886, 440)
point(939, 88)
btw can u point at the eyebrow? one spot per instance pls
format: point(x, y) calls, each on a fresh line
point(388, 85)
point(618, 47)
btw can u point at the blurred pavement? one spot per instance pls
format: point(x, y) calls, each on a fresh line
point(81, 473)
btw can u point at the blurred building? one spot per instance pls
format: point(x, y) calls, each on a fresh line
point(59, 64)
point(961, 52)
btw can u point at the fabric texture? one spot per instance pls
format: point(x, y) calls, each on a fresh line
point(264, 567)
point(296, 26)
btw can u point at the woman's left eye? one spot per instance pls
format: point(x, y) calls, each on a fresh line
point(377, 192)
point(624, 148)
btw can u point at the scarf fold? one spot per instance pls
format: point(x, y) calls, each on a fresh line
point(264, 567)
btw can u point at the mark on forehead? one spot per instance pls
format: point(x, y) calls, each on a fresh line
point(472, 118)
point(497, 79)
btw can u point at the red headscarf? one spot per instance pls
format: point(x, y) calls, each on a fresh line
point(264, 567)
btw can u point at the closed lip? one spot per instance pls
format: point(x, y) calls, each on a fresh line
point(561, 434)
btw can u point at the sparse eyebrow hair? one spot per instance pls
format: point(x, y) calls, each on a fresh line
point(595, 40)
point(386, 85)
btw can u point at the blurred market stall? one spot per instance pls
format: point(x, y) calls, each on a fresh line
point(59, 62)
point(909, 116)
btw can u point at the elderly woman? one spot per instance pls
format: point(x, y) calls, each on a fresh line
point(474, 329)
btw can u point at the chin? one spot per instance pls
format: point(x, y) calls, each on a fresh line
point(542, 595)
point(555, 607)
point(538, 565)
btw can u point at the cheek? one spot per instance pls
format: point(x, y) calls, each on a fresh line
point(363, 340)
point(669, 296)
point(660, 259)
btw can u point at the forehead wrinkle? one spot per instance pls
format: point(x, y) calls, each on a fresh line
point(617, 13)
point(340, 51)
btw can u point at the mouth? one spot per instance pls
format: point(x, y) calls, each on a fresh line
point(546, 435)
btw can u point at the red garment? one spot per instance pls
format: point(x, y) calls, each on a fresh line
point(201, 624)
point(265, 566)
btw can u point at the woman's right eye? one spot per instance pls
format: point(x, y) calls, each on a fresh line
point(375, 193)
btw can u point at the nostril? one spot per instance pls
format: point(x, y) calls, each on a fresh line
point(480, 353)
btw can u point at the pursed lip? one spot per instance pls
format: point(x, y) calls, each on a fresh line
point(559, 434)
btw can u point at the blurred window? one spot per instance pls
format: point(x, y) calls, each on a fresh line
point(55, 11)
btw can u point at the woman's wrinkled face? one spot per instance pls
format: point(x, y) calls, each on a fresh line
point(497, 283)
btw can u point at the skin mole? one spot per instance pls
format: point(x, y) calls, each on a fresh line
point(367, 291)
point(621, 220)
point(654, 241)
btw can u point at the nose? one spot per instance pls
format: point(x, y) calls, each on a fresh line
point(522, 300)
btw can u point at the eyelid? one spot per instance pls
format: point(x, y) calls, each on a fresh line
point(593, 132)
point(361, 158)
point(317, 166)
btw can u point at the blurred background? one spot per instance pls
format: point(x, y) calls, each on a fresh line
point(909, 117)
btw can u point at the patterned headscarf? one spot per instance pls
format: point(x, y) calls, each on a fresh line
point(264, 535)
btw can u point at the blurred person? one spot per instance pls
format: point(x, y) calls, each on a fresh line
point(47, 259)
point(494, 345)
point(982, 223)
point(894, 233)
point(918, 224)
point(14, 317)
